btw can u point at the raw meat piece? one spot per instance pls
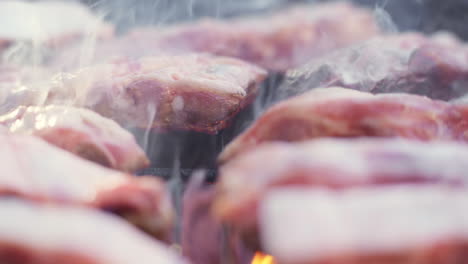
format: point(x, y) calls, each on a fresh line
point(336, 164)
point(191, 92)
point(338, 112)
point(126, 47)
point(35, 170)
point(40, 234)
point(52, 23)
point(204, 239)
point(435, 66)
point(202, 235)
point(396, 225)
point(22, 86)
point(82, 132)
point(276, 42)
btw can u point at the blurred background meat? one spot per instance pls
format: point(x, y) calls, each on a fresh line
point(421, 15)
point(436, 67)
point(47, 24)
point(277, 42)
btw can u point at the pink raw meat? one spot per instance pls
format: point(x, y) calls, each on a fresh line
point(82, 132)
point(50, 23)
point(435, 66)
point(276, 42)
point(338, 112)
point(390, 225)
point(40, 234)
point(333, 163)
point(189, 92)
point(35, 170)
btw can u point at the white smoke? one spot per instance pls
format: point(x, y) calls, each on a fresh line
point(385, 21)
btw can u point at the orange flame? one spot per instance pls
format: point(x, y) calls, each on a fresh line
point(261, 258)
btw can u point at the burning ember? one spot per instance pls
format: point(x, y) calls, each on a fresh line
point(262, 258)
